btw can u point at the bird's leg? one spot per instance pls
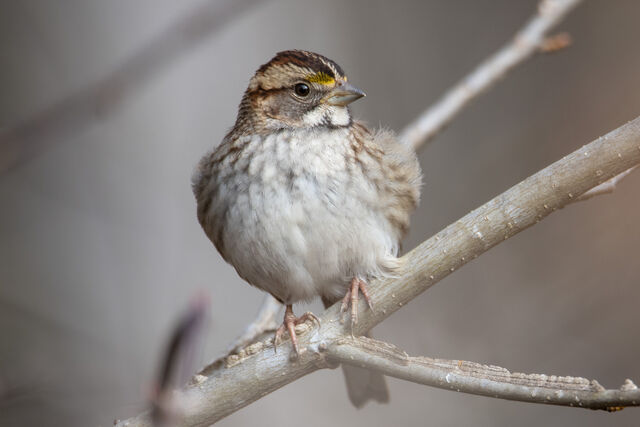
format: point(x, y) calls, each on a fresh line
point(289, 324)
point(357, 285)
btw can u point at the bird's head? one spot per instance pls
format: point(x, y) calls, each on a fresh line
point(297, 89)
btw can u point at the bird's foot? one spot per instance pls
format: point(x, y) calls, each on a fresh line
point(289, 324)
point(356, 286)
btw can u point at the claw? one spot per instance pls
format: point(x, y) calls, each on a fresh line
point(309, 315)
point(289, 324)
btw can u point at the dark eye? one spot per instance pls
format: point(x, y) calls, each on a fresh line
point(301, 89)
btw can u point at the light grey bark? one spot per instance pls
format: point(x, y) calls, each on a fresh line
point(484, 380)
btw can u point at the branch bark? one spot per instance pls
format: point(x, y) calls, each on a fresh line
point(483, 380)
point(524, 44)
point(239, 379)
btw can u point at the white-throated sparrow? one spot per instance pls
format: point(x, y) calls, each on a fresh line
point(303, 200)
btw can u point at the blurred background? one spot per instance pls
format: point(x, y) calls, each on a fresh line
point(100, 249)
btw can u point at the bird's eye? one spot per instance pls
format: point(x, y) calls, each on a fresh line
point(301, 89)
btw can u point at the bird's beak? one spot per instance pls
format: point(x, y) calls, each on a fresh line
point(343, 94)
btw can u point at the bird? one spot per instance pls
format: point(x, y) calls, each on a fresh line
point(305, 201)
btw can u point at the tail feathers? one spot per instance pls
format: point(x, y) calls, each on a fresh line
point(364, 385)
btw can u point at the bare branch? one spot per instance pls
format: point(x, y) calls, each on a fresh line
point(237, 380)
point(484, 380)
point(98, 100)
point(525, 43)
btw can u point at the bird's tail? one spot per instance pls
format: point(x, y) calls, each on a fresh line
point(363, 385)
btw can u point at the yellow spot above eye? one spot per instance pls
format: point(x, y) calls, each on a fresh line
point(321, 78)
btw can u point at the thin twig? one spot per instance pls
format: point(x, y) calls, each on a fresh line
point(98, 100)
point(484, 380)
point(525, 43)
point(239, 379)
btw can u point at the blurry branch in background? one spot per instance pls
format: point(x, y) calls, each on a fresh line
point(97, 101)
point(179, 363)
point(235, 381)
point(484, 380)
point(532, 38)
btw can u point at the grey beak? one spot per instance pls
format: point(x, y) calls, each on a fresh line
point(343, 95)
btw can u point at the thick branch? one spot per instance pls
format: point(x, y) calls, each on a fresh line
point(484, 380)
point(234, 382)
point(525, 43)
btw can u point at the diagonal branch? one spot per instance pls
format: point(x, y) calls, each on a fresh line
point(484, 380)
point(237, 380)
point(524, 45)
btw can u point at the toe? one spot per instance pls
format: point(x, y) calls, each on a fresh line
point(365, 293)
point(345, 301)
point(309, 315)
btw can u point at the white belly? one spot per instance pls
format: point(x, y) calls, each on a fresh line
point(299, 223)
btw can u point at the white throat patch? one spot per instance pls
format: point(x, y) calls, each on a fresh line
point(334, 115)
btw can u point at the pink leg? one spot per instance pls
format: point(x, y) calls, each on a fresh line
point(289, 324)
point(356, 286)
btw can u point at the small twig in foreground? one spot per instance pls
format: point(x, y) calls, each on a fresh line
point(178, 363)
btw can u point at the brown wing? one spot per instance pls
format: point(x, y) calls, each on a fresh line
point(394, 170)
